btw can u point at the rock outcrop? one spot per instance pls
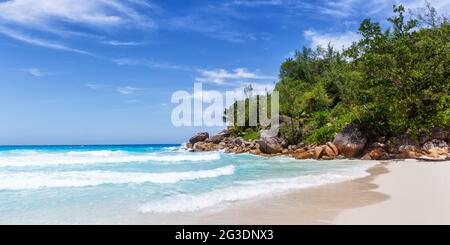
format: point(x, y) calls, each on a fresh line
point(435, 148)
point(202, 136)
point(351, 141)
point(206, 146)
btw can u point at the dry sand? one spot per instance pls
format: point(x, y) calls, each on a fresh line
point(419, 194)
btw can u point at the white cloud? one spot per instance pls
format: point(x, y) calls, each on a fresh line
point(223, 76)
point(257, 3)
point(128, 90)
point(46, 13)
point(442, 6)
point(25, 20)
point(337, 40)
point(39, 42)
point(119, 43)
point(95, 86)
point(35, 72)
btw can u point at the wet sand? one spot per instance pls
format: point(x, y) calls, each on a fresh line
point(318, 205)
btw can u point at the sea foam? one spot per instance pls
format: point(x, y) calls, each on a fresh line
point(245, 190)
point(38, 158)
point(33, 180)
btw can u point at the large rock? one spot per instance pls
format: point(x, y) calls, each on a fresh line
point(435, 148)
point(351, 141)
point(270, 145)
point(216, 139)
point(202, 136)
point(438, 134)
point(267, 134)
point(285, 120)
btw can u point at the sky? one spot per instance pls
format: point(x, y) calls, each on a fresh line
point(104, 71)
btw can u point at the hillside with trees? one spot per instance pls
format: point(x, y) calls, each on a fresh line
point(391, 82)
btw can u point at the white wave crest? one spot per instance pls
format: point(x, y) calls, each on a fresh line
point(33, 180)
point(32, 158)
point(244, 190)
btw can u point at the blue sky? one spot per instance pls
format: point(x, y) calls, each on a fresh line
point(103, 71)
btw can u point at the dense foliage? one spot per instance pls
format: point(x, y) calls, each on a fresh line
point(389, 82)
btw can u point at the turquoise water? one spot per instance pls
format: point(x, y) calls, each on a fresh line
point(111, 184)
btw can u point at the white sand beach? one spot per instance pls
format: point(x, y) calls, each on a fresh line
point(396, 192)
point(419, 193)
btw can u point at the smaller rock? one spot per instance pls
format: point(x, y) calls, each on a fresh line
point(327, 158)
point(366, 157)
point(292, 147)
point(378, 145)
point(403, 148)
point(327, 151)
point(334, 148)
point(318, 152)
point(255, 152)
point(376, 154)
point(239, 141)
point(303, 155)
point(435, 148)
point(407, 155)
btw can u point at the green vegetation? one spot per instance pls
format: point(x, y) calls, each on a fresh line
point(390, 82)
point(250, 135)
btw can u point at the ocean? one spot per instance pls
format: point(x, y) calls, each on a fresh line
point(113, 184)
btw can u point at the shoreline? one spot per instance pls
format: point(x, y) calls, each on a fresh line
point(375, 199)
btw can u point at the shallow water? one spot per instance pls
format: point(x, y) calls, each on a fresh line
point(113, 184)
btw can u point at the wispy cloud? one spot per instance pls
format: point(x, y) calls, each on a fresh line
point(442, 6)
point(256, 3)
point(337, 40)
point(223, 76)
point(39, 42)
point(44, 14)
point(119, 43)
point(95, 86)
point(128, 90)
point(215, 27)
point(35, 72)
point(27, 20)
point(147, 63)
